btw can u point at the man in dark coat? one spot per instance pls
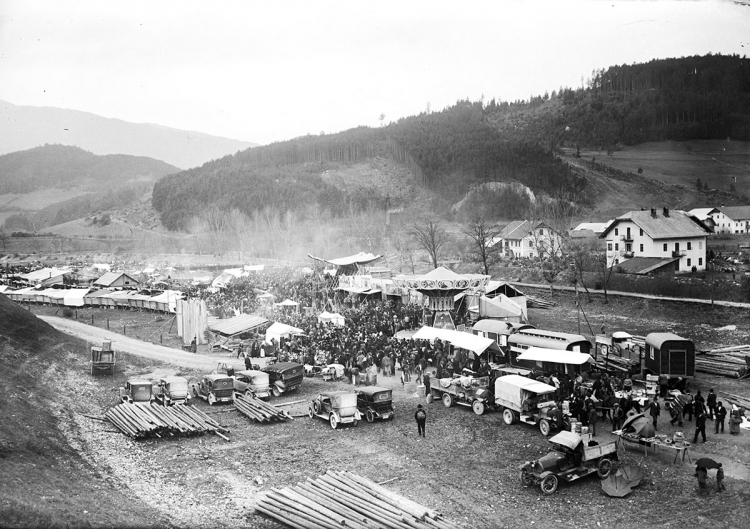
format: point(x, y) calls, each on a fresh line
point(654, 410)
point(421, 417)
point(721, 414)
point(593, 419)
point(711, 403)
point(700, 423)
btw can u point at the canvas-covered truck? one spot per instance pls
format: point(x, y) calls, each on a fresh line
point(571, 457)
point(473, 392)
point(523, 399)
point(136, 390)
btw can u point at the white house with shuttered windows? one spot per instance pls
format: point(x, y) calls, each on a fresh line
point(673, 236)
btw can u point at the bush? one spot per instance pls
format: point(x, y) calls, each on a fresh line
point(68, 313)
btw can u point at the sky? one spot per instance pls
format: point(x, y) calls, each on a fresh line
point(265, 71)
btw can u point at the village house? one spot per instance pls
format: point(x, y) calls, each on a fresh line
point(707, 216)
point(116, 280)
point(665, 240)
point(734, 219)
point(526, 239)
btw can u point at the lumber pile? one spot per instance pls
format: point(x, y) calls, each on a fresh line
point(619, 364)
point(728, 361)
point(144, 420)
point(731, 398)
point(338, 499)
point(259, 410)
point(539, 302)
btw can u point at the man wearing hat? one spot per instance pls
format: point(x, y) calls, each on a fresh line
point(421, 417)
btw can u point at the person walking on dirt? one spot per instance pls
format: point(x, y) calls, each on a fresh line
point(593, 419)
point(721, 414)
point(654, 410)
point(426, 379)
point(689, 405)
point(700, 424)
point(421, 417)
point(720, 478)
point(711, 403)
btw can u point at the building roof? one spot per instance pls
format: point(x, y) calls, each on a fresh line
point(596, 227)
point(736, 213)
point(110, 277)
point(45, 273)
point(238, 324)
point(555, 356)
point(518, 229)
point(703, 213)
point(676, 225)
point(645, 265)
point(361, 258)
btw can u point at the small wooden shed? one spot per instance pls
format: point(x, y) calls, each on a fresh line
point(669, 354)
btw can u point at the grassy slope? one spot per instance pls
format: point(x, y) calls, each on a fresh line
point(45, 482)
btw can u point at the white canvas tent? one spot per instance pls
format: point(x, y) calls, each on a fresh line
point(332, 317)
point(464, 340)
point(281, 330)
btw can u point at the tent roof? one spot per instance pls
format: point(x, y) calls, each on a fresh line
point(496, 326)
point(621, 334)
point(529, 384)
point(500, 307)
point(238, 324)
point(442, 273)
point(283, 328)
point(361, 258)
point(557, 356)
point(464, 340)
point(288, 303)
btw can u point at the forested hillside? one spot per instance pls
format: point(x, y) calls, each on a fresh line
point(470, 143)
point(63, 167)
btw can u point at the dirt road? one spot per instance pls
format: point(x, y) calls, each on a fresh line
point(131, 345)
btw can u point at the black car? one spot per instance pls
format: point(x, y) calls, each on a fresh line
point(375, 402)
point(284, 376)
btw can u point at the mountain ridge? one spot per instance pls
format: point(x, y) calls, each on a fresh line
point(24, 126)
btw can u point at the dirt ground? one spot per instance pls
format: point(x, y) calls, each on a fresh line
point(466, 467)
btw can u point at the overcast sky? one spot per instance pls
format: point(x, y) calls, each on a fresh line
point(267, 71)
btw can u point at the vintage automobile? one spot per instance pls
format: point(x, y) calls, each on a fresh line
point(468, 391)
point(171, 391)
point(337, 407)
point(375, 402)
point(333, 372)
point(136, 390)
point(252, 383)
point(571, 457)
point(284, 377)
point(215, 388)
point(527, 400)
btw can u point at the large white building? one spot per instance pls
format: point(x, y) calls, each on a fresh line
point(675, 237)
point(735, 219)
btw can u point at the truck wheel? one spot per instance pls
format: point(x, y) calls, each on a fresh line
point(355, 423)
point(544, 427)
point(508, 417)
point(370, 416)
point(316, 407)
point(195, 392)
point(549, 484)
point(478, 407)
point(447, 400)
point(310, 412)
point(604, 468)
point(211, 399)
point(276, 391)
point(526, 478)
point(333, 421)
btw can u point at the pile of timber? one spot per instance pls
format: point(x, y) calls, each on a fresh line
point(731, 398)
point(728, 361)
point(539, 302)
point(259, 410)
point(619, 364)
point(344, 499)
point(143, 420)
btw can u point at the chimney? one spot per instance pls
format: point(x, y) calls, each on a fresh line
point(653, 212)
point(666, 212)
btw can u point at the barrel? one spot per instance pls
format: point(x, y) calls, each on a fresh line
point(372, 379)
point(679, 439)
point(421, 391)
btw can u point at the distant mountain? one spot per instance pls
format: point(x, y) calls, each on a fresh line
point(24, 127)
point(65, 167)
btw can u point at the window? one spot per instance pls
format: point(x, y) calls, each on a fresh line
point(641, 232)
point(690, 245)
point(541, 231)
point(609, 246)
point(688, 262)
point(617, 246)
point(531, 244)
point(665, 247)
point(700, 261)
point(700, 245)
point(641, 248)
point(617, 232)
point(628, 247)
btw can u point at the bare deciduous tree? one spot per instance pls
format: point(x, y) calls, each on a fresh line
point(431, 237)
point(484, 247)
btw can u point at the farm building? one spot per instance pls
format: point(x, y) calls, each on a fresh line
point(524, 238)
point(666, 234)
point(116, 280)
point(47, 277)
point(669, 354)
point(734, 219)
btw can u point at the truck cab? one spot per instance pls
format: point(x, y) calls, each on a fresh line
point(171, 391)
point(526, 400)
point(136, 390)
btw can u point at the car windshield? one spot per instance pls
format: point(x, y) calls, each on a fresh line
point(142, 390)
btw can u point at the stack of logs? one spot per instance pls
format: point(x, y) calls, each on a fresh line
point(539, 302)
point(259, 410)
point(728, 361)
point(343, 498)
point(143, 420)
